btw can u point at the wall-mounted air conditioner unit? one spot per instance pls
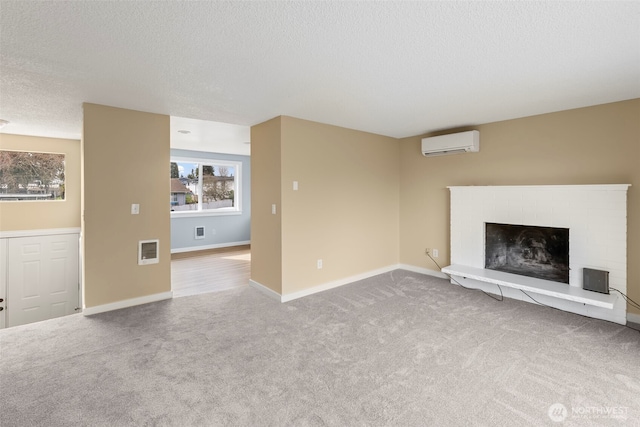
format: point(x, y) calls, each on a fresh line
point(462, 142)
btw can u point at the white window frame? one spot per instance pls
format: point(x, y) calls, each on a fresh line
point(237, 188)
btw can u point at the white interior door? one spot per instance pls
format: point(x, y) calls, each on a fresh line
point(42, 278)
point(3, 281)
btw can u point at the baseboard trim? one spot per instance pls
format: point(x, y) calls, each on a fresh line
point(267, 291)
point(423, 270)
point(320, 288)
point(127, 303)
point(336, 283)
point(206, 247)
point(633, 318)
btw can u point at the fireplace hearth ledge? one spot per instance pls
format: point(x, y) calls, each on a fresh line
point(533, 285)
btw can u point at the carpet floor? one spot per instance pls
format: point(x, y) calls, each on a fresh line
point(399, 349)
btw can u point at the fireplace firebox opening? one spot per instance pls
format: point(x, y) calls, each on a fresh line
point(540, 252)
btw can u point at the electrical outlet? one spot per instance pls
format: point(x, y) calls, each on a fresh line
point(319, 264)
point(436, 253)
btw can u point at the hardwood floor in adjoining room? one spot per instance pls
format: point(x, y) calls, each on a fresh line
point(212, 270)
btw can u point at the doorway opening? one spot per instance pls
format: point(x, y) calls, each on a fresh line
point(212, 270)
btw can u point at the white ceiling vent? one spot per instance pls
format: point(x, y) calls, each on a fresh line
point(199, 233)
point(148, 252)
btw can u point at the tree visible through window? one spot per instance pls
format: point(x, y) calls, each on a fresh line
point(204, 186)
point(31, 176)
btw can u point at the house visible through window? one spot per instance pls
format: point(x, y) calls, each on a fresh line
point(31, 176)
point(201, 186)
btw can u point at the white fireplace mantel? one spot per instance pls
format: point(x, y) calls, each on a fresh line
point(596, 216)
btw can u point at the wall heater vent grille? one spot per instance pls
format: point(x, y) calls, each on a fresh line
point(199, 233)
point(148, 252)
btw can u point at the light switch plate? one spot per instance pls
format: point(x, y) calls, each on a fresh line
point(135, 209)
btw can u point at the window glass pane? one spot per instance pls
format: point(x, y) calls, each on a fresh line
point(31, 176)
point(184, 186)
point(218, 187)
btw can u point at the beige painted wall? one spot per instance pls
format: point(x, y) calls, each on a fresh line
point(35, 215)
point(126, 160)
point(594, 145)
point(346, 210)
point(266, 229)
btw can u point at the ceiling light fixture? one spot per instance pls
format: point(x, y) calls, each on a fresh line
point(3, 123)
point(184, 132)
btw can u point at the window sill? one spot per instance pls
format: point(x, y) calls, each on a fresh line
point(188, 214)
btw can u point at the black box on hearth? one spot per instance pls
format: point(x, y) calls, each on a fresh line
point(595, 280)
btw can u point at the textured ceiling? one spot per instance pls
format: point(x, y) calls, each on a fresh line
point(391, 68)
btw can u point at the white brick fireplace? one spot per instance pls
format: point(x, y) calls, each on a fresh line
point(596, 216)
